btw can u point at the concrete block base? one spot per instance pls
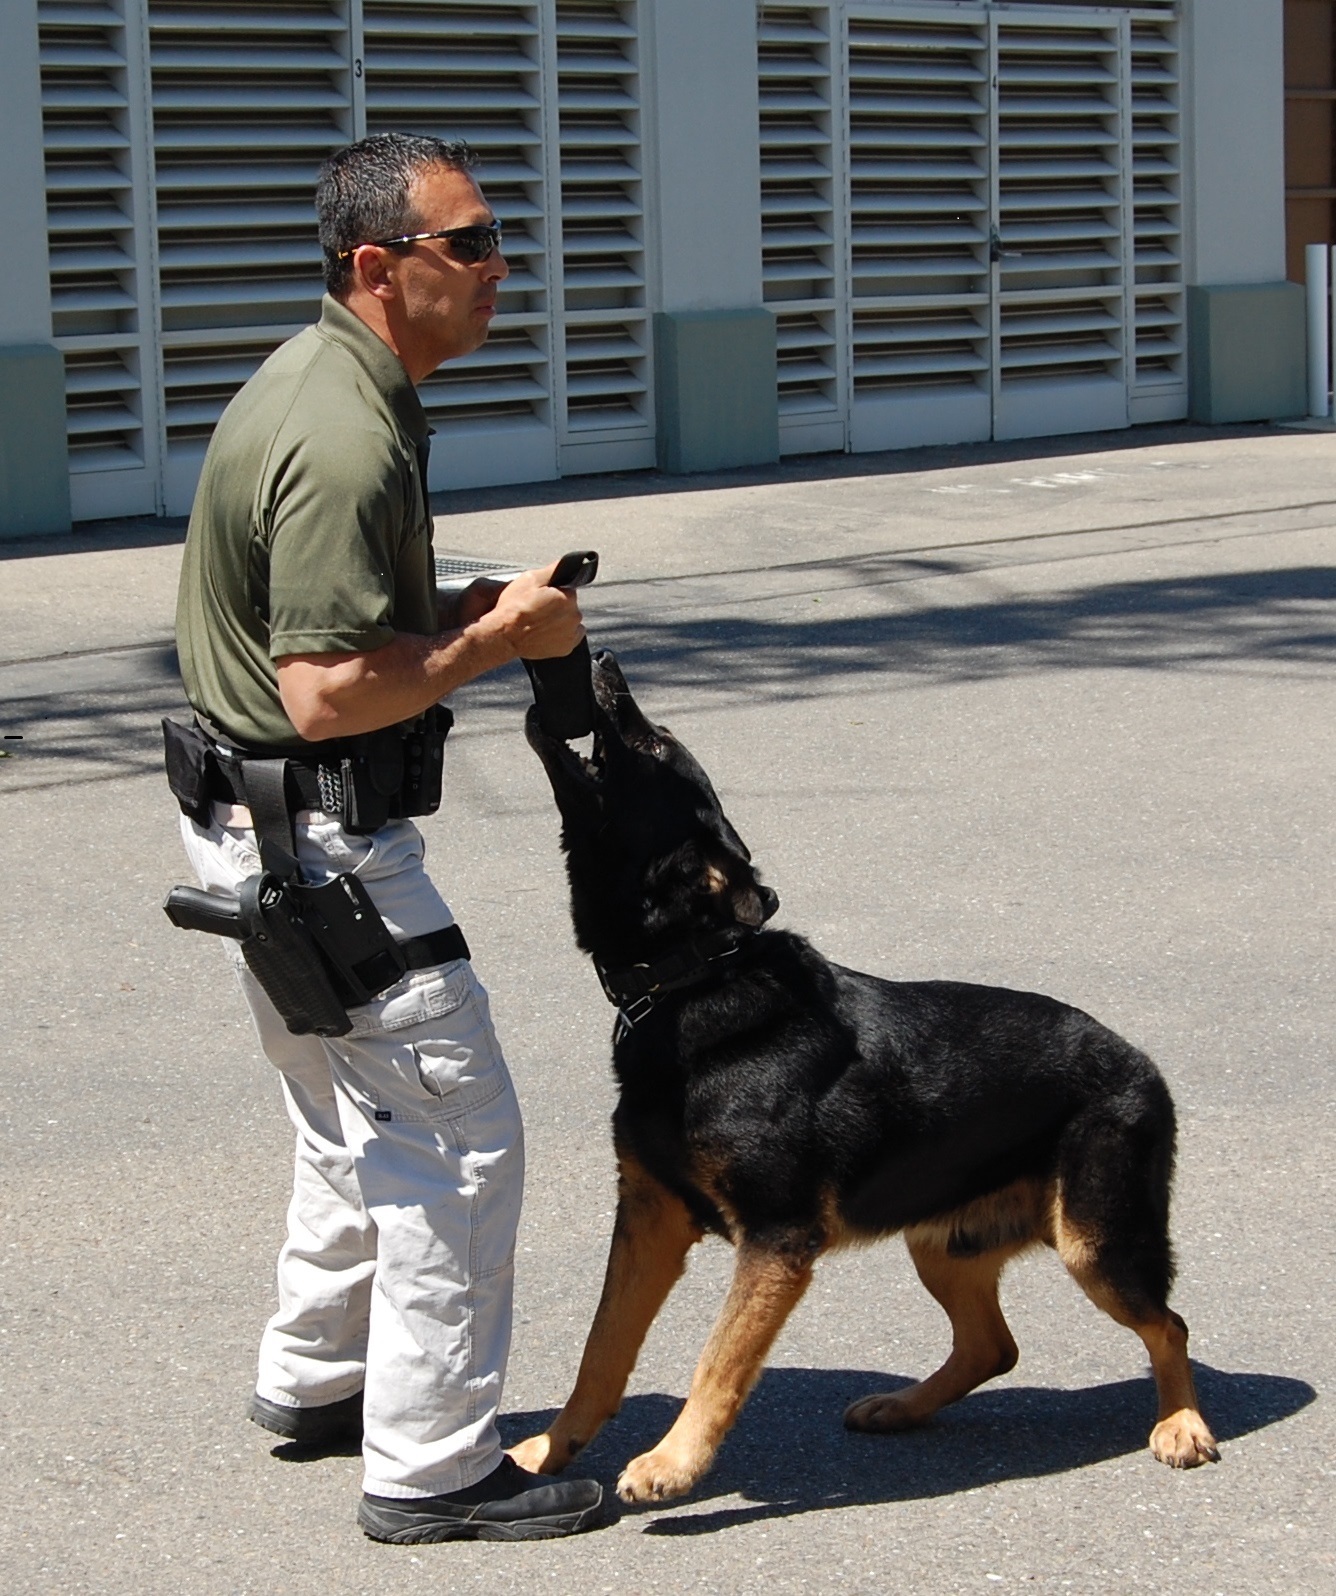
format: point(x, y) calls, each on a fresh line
point(1247, 352)
point(715, 374)
point(34, 454)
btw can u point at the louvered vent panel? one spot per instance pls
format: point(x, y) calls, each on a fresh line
point(474, 70)
point(97, 229)
point(248, 99)
point(605, 316)
point(801, 271)
point(1157, 221)
point(1060, 228)
point(919, 229)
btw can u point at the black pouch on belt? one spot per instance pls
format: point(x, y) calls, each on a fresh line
point(373, 774)
point(187, 755)
point(424, 761)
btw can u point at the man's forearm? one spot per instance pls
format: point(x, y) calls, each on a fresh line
point(342, 695)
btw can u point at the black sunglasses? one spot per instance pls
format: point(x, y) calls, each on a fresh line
point(472, 245)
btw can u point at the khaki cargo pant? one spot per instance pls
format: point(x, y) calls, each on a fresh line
point(397, 1271)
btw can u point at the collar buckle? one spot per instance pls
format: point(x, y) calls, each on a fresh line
point(633, 1012)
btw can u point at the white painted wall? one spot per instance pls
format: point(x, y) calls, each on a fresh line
point(705, 108)
point(25, 305)
point(1235, 68)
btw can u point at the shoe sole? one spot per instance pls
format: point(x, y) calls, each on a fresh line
point(399, 1529)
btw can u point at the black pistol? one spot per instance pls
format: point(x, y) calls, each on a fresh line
point(275, 943)
point(194, 910)
point(563, 688)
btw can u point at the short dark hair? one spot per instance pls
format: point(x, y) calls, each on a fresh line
point(362, 193)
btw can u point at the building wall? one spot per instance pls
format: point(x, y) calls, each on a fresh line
point(670, 321)
point(1246, 328)
point(34, 464)
point(1235, 68)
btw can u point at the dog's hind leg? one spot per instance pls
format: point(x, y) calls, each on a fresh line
point(1181, 1437)
point(767, 1285)
point(651, 1238)
point(1111, 1228)
point(981, 1343)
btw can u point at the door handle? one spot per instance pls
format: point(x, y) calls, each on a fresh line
point(995, 250)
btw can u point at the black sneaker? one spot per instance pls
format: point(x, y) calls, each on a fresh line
point(509, 1505)
point(330, 1423)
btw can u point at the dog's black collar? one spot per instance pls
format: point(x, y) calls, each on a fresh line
point(636, 990)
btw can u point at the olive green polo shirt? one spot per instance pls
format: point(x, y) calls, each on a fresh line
point(309, 532)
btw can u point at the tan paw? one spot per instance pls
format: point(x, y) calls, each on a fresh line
point(540, 1456)
point(1183, 1440)
point(658, 1475)
point(881, 1414)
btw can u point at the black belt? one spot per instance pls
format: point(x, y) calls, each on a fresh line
point(301, 780)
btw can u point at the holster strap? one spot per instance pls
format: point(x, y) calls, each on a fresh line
point(436, 947)
point(265, 781)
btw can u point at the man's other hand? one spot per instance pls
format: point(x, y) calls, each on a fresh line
point(460, 609)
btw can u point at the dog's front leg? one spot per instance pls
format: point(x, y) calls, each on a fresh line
point(767, 1285)
point(652, 1235)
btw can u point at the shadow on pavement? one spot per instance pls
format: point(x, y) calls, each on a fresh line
point(83, 729)
point(1258, 620)
point(90, 731)
point(789, 1453)
point(1261, 622)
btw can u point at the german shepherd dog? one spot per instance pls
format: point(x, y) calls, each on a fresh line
point(793, 1106)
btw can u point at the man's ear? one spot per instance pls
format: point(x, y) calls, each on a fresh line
point(373, 270)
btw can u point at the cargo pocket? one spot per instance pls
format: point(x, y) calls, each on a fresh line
point(425, 1050)
point(459, 1062)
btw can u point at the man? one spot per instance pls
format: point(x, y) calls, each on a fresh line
point(307, 617)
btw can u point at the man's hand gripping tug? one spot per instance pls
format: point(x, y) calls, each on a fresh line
point(536, 618)
point(489, 624)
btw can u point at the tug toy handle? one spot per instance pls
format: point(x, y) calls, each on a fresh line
point(563, 688)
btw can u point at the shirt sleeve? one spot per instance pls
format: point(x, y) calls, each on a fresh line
point(338, 504)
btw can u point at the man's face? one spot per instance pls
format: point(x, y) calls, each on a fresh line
point(447, 304)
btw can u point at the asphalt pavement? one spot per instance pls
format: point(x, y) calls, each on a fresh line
point(1055, 716)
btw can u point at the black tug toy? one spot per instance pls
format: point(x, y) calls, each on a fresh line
point(563, 688)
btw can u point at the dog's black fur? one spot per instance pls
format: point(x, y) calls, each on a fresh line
point(791, 1105)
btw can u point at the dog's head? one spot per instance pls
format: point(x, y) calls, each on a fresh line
point(651, 854)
